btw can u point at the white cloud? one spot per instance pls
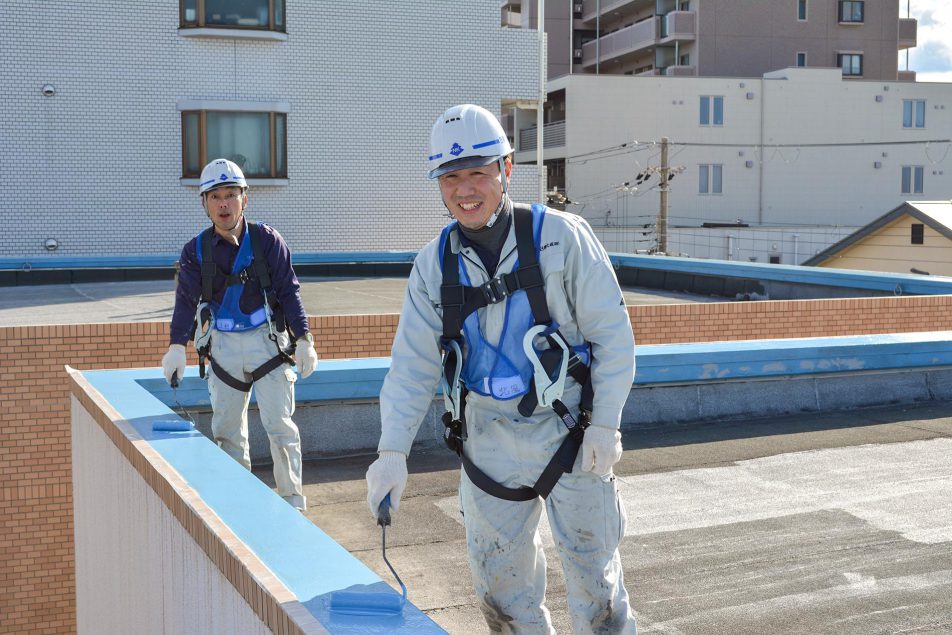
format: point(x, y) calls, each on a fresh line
point(932, 56)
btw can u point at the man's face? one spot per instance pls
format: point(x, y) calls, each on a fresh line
point(473, 194)
point(224, 206)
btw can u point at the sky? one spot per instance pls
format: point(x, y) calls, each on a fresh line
point(932, 56)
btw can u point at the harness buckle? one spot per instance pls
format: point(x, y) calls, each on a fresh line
point(496, 290)
point(547, 389)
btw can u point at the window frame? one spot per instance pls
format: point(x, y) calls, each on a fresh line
point(710, 179)
point(804, 55)
point(915, 108)
point(917, 234)
point(275, 119)
point(707, 113)
point(200, 18)
point(839, 63)
point(802, 11)
point(912, 180)
point(841, 14)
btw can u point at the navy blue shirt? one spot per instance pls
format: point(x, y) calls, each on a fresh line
point(284, 283)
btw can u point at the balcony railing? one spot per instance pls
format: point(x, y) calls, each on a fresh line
point(678, 25)
point(553, 136)
point(908, 33)
point(631, 39)
point(591, 8)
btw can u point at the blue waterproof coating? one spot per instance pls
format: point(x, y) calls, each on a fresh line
point(171, 425)
point(228, 315)
point(372, 603)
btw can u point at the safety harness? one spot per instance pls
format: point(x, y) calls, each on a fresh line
point(560, 360)
point(204, 318)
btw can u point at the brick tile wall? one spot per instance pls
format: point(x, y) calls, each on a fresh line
point(36, 552)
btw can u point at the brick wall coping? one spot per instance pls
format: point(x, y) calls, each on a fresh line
point(302, 558)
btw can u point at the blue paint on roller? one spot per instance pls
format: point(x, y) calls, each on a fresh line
point(171, 425)
point(372, 603)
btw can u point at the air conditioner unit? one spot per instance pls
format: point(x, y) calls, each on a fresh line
point(577, 54)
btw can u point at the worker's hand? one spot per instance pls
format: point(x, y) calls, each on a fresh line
point(305, 356)
point(601, 449)
point(174, 361)
point(386, 475)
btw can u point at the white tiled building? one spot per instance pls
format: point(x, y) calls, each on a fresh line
point(95, 96)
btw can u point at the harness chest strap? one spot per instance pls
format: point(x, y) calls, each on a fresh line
point(261, 271)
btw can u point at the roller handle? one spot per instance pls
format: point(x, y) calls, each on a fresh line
point(383, 512)
point(175, 382)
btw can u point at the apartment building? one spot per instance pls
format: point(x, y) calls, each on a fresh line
point(109, 110)
point(773, 168)
point(720, 38)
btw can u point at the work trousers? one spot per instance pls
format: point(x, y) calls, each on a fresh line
point(240, 353)
point(505, 549)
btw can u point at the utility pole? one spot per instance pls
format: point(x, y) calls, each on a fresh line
point(540, 114)
point(662, 224)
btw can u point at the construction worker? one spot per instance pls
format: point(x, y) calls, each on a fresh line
point(238, 294)
point(516, 312)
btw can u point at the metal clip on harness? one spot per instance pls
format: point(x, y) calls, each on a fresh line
point(548, 390)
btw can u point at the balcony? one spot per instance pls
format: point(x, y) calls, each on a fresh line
point(678, 26)
point(908, 33)
point(553, 136)
point(592, 8)
point(631, 39)
point(680, 71)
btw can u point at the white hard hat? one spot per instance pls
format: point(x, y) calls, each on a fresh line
point(466, 136)
point(219, 173)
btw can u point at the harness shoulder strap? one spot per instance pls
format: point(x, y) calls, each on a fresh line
point(529, 262)
point(262, 271)
point(209, 268)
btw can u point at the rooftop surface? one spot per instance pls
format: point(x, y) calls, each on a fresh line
point(814, 523)
point(152, 300)
point(830, 523)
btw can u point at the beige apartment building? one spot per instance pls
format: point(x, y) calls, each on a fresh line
point(720, 38)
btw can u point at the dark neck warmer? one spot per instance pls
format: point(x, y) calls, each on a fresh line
point(488, 241)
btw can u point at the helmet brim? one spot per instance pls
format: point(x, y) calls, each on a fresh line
point(461, 164)
point(218, 186)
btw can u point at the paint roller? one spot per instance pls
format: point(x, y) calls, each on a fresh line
point(373, 603)
point(173, 425)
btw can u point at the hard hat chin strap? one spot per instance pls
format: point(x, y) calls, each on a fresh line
point(505, 192)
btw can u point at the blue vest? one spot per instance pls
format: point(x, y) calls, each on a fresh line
point(228, 316)
point(499, 369)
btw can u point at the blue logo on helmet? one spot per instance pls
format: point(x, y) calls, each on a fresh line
point(457, 150)
point(223, 177)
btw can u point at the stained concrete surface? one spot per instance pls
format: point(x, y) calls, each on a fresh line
point(835, 523)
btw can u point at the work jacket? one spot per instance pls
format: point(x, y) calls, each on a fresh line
point(583, 297)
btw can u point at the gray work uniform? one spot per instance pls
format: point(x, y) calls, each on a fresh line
point(584, 511)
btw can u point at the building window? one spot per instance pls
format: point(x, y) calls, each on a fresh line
point(851, 11)
point(918, 234)
point(709, 179)
point(912, 179)
point(801, 10)
point(685, 60)
point(801, 59)
point(913, 113)
point(256, 141)
point(712, 110)
point(851, 63)
point(263, 15)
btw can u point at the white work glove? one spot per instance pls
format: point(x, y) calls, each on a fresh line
point(386, 475)
point(306, 356)
point(601, 449)
point(174, 361)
